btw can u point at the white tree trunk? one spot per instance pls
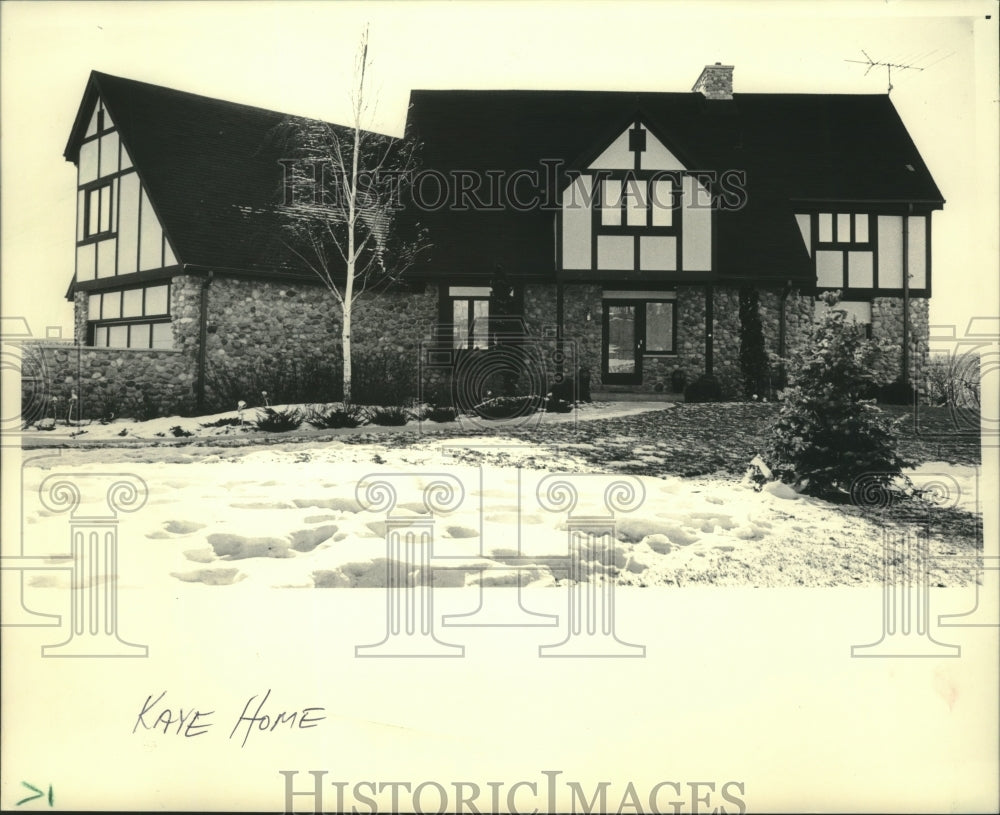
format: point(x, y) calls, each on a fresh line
point(346, 342)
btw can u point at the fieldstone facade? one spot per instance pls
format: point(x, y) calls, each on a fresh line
point(266, 327)
point(106, 383)
point(887, 330)
point(581, 321)
point(253, 325)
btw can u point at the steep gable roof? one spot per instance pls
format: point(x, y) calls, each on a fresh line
point(207, 165)
point(803, 147)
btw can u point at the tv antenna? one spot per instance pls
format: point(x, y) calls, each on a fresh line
point(871, 63)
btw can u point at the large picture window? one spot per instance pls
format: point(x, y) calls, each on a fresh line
point(131, 318)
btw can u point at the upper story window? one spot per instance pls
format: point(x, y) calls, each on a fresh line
point(101, 152)
point(636, 202)
point(98, 204)
point(844, 250)
point(843, 228)
point(118, 232)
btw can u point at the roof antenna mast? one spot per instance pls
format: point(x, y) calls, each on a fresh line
point(871, 63)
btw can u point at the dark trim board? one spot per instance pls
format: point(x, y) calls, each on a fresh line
point(614, 277)
point(125, 280)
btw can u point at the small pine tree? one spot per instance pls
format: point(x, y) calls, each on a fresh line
point(826, 434)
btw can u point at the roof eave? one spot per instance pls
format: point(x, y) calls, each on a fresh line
point(72, 151)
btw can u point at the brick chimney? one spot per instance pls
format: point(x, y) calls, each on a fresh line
point(715, 82)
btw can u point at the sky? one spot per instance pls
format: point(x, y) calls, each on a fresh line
point(298, 58)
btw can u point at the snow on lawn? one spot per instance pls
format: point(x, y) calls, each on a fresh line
point(172, 428)
point(240, 518)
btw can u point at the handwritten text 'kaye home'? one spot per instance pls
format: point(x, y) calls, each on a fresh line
point(190, 722)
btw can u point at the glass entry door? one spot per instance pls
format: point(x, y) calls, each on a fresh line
point(622, 343)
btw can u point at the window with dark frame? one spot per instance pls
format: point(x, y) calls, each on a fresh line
point(470, 318)
point(661, 327)
point(843, 228)
point(844, 250)
point(131, 318)
point(638, 200)
point(98, 211)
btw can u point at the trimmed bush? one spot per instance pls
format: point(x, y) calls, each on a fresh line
point(827, 434)
point(704, 389)
point(441, 414)
point(554, 404)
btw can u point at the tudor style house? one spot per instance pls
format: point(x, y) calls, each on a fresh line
point(629, 223)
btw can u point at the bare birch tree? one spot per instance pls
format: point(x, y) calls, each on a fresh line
point(341, 214)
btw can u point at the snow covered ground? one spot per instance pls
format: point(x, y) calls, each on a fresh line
point(286, 515)
point(125, 431)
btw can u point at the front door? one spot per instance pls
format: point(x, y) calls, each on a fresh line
point(622, 343)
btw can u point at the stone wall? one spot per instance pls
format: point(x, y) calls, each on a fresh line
point(581, 319)
point(800, 312)
point(107, 381)
point(271, 327)
point(690, 359)
point(887, 330)
point(270, 332)
point(258, 332)
point(726, 341)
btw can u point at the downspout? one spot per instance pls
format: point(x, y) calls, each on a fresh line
point(906, 295)
point(781, 317)
point(709, 324)
point(782, 340)
point(202, 341)
point(559, 331)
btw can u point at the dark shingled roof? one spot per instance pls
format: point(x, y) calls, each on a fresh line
point(791, 146)
point(206, 163)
